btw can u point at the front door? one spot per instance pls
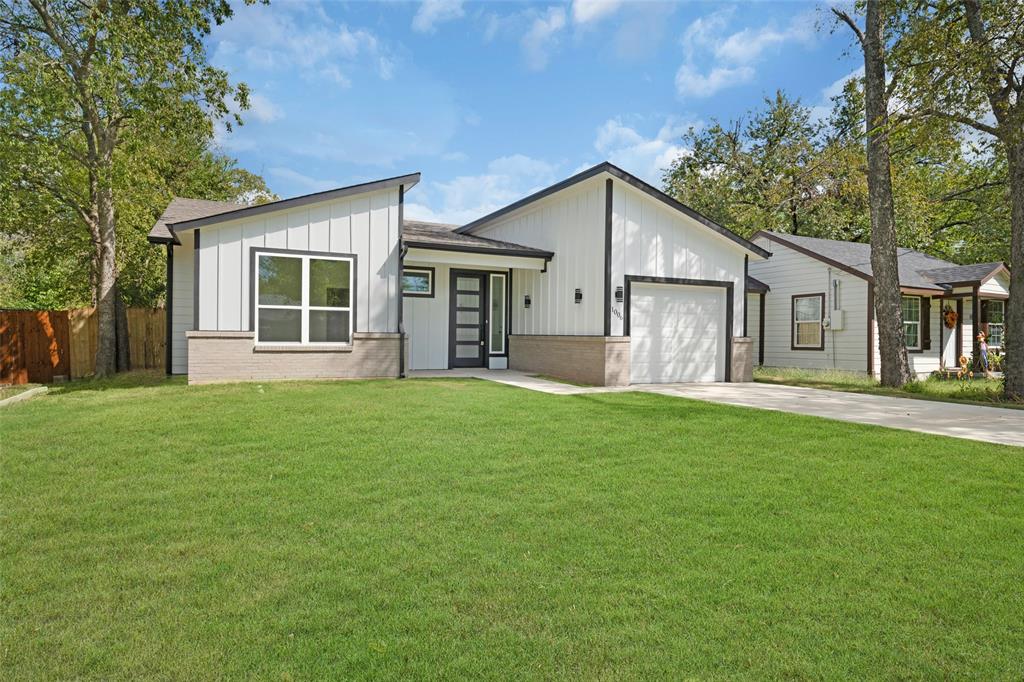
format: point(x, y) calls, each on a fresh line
point(466, 331)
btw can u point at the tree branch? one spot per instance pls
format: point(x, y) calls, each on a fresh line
point(848, 20)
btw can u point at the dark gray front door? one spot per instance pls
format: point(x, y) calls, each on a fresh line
point(466, 330)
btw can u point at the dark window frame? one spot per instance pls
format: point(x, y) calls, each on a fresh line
point(792, 321)
point(419, 269)
point(256, 251)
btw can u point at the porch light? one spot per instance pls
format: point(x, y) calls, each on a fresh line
point(618, 294)
point(578, 296)
point(526, 301)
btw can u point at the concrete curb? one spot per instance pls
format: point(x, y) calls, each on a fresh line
point(24, 395)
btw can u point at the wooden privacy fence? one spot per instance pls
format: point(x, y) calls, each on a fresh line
point(38, 345)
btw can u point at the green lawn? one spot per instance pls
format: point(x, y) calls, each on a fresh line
point(457, 528)
point(980, 391)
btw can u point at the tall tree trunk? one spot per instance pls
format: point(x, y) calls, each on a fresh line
point(106, 285)
point(895, 366)
point(1014, 330)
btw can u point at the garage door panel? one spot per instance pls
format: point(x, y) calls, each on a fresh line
point(677, 333)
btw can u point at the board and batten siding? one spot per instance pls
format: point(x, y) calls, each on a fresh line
point(790, 273)
point(653, 240)
point(182, 298)
point(364, 225)
point(571, 225)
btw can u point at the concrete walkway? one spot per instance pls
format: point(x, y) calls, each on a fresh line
point(973, 422)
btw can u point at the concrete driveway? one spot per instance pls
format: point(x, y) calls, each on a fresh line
point(990, 424)
point(974, 422)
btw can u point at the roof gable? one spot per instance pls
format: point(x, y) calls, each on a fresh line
point(629, 179)
point(210, 212)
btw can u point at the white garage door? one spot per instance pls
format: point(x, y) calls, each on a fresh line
point(677, 333)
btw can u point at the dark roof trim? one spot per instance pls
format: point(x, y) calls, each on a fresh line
point(406, 181)
point(161, 240)
point(756, 286)
point(999, 267)
point(813, 254)
point(629, 179)
point(521, 253)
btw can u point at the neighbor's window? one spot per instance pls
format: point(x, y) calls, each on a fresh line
point(994, 312)
point(418, 282)
point(498, 301)
point(303, 299)
point(912, 321)
point(807, 314)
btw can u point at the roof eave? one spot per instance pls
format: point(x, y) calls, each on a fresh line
point(407, 181)
point(813, 254)
point(466, 248)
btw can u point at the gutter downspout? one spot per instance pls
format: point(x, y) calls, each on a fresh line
point(401, 266)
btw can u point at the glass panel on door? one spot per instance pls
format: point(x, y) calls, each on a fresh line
point(467, 326)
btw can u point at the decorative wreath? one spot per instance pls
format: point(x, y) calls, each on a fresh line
point(949, 317)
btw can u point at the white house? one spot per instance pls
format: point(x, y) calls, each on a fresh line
point(812, 306)
point(599, 278)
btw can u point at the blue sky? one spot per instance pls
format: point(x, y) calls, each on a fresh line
point(491, 101)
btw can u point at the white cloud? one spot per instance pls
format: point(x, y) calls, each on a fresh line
point(468, 197)
point(307, 183)
point(263, 110)
point(692, 83)
point(434, 12)
point(585, 11)
point(645, 157)
point(543, 34)
point(821, 111)
point(735, 55)
point(298, 37)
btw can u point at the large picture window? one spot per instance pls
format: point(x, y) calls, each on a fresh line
point(303, 298)
point(912, 321)
point(808, 311)
point(993, 316)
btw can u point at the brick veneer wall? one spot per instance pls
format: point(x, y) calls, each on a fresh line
point(597, 360)
point(232, 356)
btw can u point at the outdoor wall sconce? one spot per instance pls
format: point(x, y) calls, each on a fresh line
point(578, 296)
point(526, 301)
point(618, 294)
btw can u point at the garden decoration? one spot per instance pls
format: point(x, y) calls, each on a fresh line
point(949, 317)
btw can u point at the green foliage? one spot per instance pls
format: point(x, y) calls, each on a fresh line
point(780, 169)
point(97, 97)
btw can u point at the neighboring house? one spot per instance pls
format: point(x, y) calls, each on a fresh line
point(600, 278)
point(815, 309)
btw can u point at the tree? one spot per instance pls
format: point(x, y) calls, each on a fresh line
point(962, 62)
point(873, 39)
point(80, 79)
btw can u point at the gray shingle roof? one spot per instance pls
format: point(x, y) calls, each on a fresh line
point(417, 233)
point(187, 209)
point(917, 270)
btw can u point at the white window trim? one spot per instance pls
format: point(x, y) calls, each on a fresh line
point(429, 272)
point(504, 313)
point(920, 306)
point(1001, 325)
point(305, 308)
point(820, 300)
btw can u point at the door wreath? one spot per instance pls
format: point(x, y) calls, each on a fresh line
point(949, 317)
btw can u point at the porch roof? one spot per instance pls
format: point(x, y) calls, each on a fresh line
point(442, 237)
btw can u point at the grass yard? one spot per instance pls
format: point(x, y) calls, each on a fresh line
point(458, 528)
point(982, 391)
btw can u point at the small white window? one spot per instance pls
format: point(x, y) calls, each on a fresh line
point(418, 282)
point(807, 315)
point(303, 299)
point(912, 321)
